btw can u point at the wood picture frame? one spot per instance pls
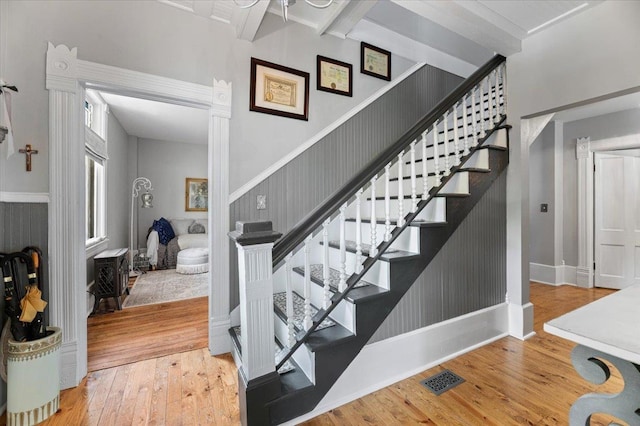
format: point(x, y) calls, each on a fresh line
point(334, 76)
point(279, 90)
point(375, 61)
point(196, 195)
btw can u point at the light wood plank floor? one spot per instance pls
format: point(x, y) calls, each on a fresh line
point(508, 382)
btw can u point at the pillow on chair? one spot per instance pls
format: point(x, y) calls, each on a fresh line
point(181, 226)
point(197, 228)
point(204, 223)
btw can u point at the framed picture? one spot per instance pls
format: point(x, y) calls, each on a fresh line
point(279, 90)
point(196, 195)
point(374, 61)
point(334, 76)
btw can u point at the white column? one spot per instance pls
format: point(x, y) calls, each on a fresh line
point(67, 263)
point(254, 242)
point(584, 270)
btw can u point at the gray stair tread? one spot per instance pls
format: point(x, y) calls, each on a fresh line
point(280, 305)
point(317, 276)
point(427, 223)
point(452, 194)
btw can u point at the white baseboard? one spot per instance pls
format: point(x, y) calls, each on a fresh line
point(383, 363)
point(552, 275)
point(24, 197)
point(521, 321)
point(69, 365)
point(219, 339)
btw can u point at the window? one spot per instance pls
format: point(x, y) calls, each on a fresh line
point(95, 165)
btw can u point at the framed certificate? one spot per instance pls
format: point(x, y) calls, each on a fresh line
point(279, 90)
point(375, 61)
point(334, 76)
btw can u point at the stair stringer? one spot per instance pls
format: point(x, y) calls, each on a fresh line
point(333, 360)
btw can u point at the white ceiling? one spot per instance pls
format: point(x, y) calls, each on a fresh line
point(463, 33)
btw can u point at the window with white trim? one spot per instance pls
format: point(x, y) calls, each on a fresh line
point(95, 169)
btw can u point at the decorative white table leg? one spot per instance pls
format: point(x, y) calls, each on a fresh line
point(624, 405)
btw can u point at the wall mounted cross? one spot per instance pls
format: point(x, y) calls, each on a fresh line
point(28, 152)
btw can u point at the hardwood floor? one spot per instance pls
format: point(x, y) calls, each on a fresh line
point(508, 382)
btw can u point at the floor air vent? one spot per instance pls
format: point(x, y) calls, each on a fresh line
point(442, 382)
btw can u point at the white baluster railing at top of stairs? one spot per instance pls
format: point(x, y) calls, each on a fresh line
point(486, 95)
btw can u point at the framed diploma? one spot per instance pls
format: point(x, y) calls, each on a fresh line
point(334, 76)
point(279, 90)
point(374, 61)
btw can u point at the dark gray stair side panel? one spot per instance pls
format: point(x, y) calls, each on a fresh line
point(297, 188)
point(474, 259)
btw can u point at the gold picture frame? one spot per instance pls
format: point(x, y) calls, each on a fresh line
point(279, 90)
point(334, 76)
point(375, 61)
point(196, 195)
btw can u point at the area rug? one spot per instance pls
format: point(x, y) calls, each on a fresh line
point(166, 286)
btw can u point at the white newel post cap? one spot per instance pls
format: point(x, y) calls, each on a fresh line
point(254, 241)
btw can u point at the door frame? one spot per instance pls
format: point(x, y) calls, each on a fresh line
point(585, 148)
point(66, 77)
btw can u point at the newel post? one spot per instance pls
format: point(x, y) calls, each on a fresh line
point(257, 378)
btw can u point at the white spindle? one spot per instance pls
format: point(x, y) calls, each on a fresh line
point(387, 203)
point(359, 230)
point(474, 118)
point(414, 189)
point(447, 166)
point(456, 143)
point(291, 339)
point(494, 95)
point(373, 250)
point(425, 174)
point(436, 157)
point(465, 126)
point(483, 130)
point(490, 101)
point(504, 89)
point(325, 265)
point(342, 284)
point(400, 191)
point(307, 322)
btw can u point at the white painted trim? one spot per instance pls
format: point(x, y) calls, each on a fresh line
point(386, 362)
point(553, 275)
point(558, 192)
point(24, 197)
point(65, 78)
point(316, 138)
point(521, 320)
point(96, 248)
point(584, 153)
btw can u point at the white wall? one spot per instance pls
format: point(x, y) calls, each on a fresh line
point(167, 164)
point(541, 188)
point(117, 185)
point(154, 38)
point(592, 54)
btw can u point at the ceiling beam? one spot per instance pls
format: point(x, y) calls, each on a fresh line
point(351, 14)
point(466, 23)
point(331, 18)
point(247, 21)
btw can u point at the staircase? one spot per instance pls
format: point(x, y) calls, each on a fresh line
point(340, 272)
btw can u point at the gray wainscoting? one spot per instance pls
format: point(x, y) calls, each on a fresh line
point(468, 274)
point(21, 225)
point(297, 188)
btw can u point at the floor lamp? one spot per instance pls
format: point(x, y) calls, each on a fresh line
point(139, 184)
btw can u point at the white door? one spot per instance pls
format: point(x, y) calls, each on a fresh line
point(617, 219)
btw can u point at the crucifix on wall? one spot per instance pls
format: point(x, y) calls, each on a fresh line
point(28, 152)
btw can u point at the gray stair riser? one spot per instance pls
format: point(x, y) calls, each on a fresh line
point(453, 185)
point(343, 314)
point(303, 356)
point(435, 210)
point(409, 240)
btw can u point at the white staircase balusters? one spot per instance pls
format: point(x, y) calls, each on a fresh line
point(465, 126)
point(291, 338)
point(387, 203)
point(414, 189)
point(436, 157)
point(474, 118)
point(445, 125)
point(307, 322)
point(496, 98)
point(359, 230)
point(342, 284)
point(490, 101)
point(503, 73)
point(456, 142)
point(483, 130)
point(373, 250)
point(400, 191)
point(425, 174)
point(326, 296)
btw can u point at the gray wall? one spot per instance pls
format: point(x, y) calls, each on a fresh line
point(297, 188)
point(469, 272)
point(151, 37)
point(541, 190)
point(167, 164)
point(602, 127)
point(21, 225)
